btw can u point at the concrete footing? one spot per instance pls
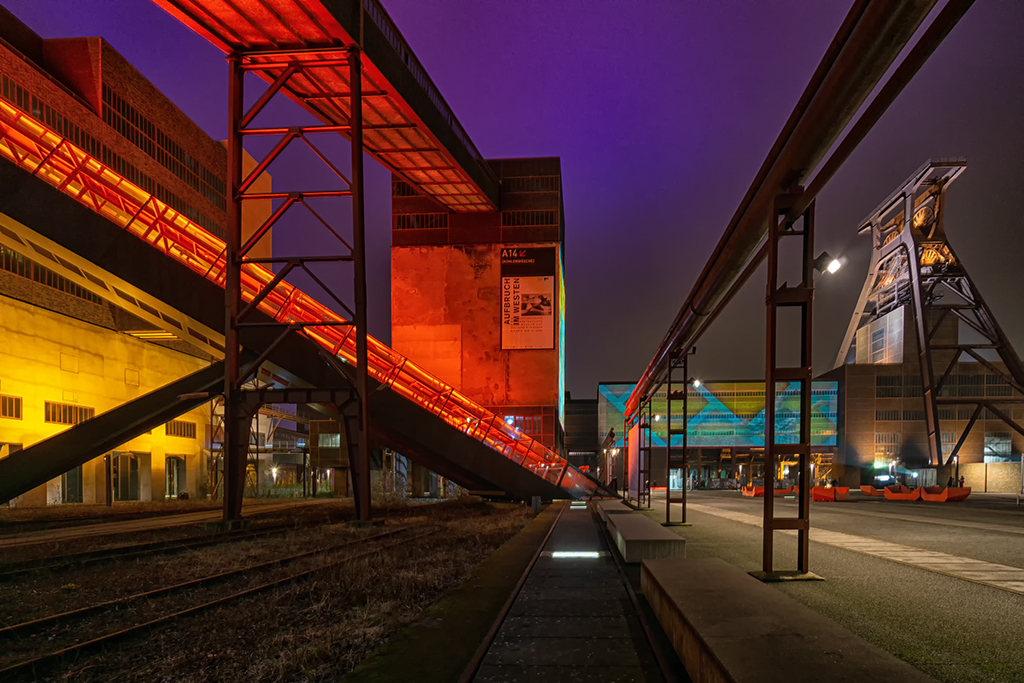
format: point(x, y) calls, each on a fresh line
point(639, 538)
point(727, 626)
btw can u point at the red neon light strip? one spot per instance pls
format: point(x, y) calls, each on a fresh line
point(34, 147)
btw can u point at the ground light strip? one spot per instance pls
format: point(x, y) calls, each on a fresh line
point(1001, 576)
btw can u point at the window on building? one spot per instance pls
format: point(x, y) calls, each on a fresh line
point(420, 221)
point(537, 183)
point(887, 445)
point(10, 407)
point(400, 188)
point(996, 385)
point(67, 413)
point(949, 440)
point(998, 447)
point(18, 264)
point(181, 429)
point(888, 386)
point(887, 415)
point(513, 219)
point(143, 133)
point(330, 440)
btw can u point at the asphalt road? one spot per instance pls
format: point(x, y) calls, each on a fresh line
point(951, 628)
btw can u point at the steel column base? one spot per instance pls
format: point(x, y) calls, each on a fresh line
point(777, 577)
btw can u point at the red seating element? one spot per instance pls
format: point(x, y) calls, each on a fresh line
point(753, 491)
point(902, 493)
point(952, 494)
point(828, 494)
point(870, 491)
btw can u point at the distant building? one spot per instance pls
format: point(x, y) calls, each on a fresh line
point(582, 442)
point(725, 443)
point(478, 298)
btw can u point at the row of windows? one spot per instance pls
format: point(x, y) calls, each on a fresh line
point(132, 173)
point(67, 413)
point(126, 120)
point(71, 414)
point(514, 219)
point(412, 221)
point(10, 407)
point(899, 386)
point(181, 428)
point(18, 264)
point(212, 188)
point(20, 97)
point(961, 414)
point(537, 183)
point(400, 188)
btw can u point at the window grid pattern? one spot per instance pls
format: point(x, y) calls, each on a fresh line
point(537, 183)
point(18, 264)
point(23, 99)
point(516, 219)
point(10, 407)
point(181, 428)
point(998, 445)
point(144, 134)
point(413, 221)
point(400, 188)
point(67, 413)
point(948, 441)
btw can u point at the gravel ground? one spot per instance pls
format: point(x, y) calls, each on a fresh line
point(314, 630)
point(954, 630)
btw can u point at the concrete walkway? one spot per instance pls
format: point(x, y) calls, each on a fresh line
point(573, 619)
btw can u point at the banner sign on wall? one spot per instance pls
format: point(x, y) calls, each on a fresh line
point(528, 297)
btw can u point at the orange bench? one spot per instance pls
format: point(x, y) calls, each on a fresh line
point(828, 494)
point(902, 493)
point(753, 491)
point(952, 494)
point(871, 491)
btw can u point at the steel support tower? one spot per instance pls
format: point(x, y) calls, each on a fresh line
point(914, 265)
point(319, 67)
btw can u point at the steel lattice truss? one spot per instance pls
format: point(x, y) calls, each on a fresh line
point(914, 265)
point(28, 143)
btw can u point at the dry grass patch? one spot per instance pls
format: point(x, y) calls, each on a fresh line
point(318, 629)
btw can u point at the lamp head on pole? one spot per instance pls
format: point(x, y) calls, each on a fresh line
point(825, 263)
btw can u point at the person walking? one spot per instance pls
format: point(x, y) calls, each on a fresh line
point(951, 483)
point(962, 480)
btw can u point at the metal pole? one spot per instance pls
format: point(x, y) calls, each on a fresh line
point(362, 483)
point(806, 338)
point(236, 429)
point(767, 544)
point(686, 429)
point(668, 443)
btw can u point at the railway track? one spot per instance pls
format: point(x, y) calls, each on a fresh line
point(78, 560)
point(32, 664)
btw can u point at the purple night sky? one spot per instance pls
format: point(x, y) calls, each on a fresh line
point(662, 112)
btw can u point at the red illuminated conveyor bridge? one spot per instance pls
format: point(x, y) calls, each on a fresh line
point(407, 125)
point(29, 144)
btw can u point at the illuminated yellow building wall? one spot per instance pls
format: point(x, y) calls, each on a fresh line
point(48, 357)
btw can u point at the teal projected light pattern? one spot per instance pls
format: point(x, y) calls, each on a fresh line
point(727, 414)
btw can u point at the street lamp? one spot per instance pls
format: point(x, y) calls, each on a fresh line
point(826, 264)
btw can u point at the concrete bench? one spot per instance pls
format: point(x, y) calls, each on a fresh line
point(610, 506)
point(641, 538)
point(728, 626)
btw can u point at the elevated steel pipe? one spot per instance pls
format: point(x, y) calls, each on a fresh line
point(868, 42)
